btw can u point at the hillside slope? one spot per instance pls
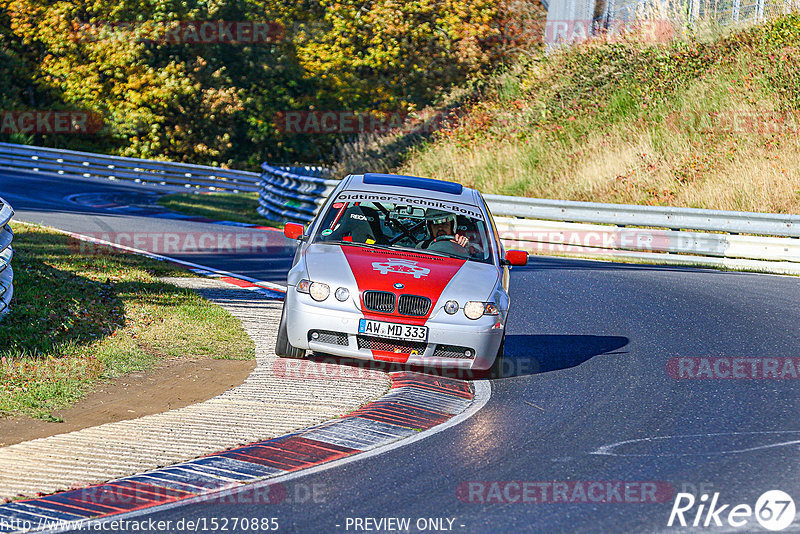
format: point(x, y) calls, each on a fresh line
point(710, 123)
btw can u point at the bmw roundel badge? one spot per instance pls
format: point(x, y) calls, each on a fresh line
point(398, 285)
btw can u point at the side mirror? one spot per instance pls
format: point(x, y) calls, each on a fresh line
point(293, 230)
point(516, 257)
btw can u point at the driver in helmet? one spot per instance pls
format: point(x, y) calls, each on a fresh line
point(441, 226)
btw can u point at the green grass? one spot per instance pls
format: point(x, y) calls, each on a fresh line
point(707, 121)
point(237, 207)
point(78, 317)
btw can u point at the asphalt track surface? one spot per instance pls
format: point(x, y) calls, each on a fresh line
point(69, 204)
point(590, 400)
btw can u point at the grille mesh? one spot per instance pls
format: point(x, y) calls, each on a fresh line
point(390, 345)
point(453, 351)
point(331, 338)
point(379, 301)
point(413, 305)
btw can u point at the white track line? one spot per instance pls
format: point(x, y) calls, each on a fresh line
point(483, 392)
point(267, 285)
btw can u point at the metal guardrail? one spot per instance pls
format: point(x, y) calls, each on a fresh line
point(538, 225)
point(653, 233)
point(6, 274)
point(89, 165)
point(286, 195)
point(737, 222)
point(647, 243)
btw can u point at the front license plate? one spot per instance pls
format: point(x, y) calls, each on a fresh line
point(405, 332)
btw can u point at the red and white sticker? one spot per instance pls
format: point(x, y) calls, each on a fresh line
point(394, 265)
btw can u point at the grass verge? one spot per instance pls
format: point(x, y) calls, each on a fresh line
point(667, 262)
point(237, 207)
point(704, 121)
point(77, 318)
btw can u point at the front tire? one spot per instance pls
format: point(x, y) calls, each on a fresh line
point(283, 348)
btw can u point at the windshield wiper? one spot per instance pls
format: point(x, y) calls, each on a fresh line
point(443, 254)
point(439, 253)
point(378, 246)
point(357, 244)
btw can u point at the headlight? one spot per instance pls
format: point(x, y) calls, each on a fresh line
point(342, 294)
point(475, 309)
point(319, 291)
point(451, 306)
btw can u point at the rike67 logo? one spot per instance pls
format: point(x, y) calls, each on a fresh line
point(774, 510)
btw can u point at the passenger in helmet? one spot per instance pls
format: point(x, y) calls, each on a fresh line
point(441, 227)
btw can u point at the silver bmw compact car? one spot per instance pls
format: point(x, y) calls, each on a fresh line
point(399, 269)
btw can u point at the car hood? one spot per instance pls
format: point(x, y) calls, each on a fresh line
point(436, 277)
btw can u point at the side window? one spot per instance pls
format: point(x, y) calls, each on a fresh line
point(355, 222)
point(329, 230)
point(493, 228)
point(475, 231)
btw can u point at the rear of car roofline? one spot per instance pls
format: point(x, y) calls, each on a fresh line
point(420, 187)
point(429, 184)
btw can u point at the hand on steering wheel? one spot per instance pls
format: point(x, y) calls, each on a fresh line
point(459, 240)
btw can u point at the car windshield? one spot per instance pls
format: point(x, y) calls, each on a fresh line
point(441, 228)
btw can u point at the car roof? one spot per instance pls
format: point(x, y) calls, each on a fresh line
point(393, 184)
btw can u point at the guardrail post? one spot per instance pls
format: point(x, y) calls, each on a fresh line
point(6, 253)
point(694, 10)
point(285, 195)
